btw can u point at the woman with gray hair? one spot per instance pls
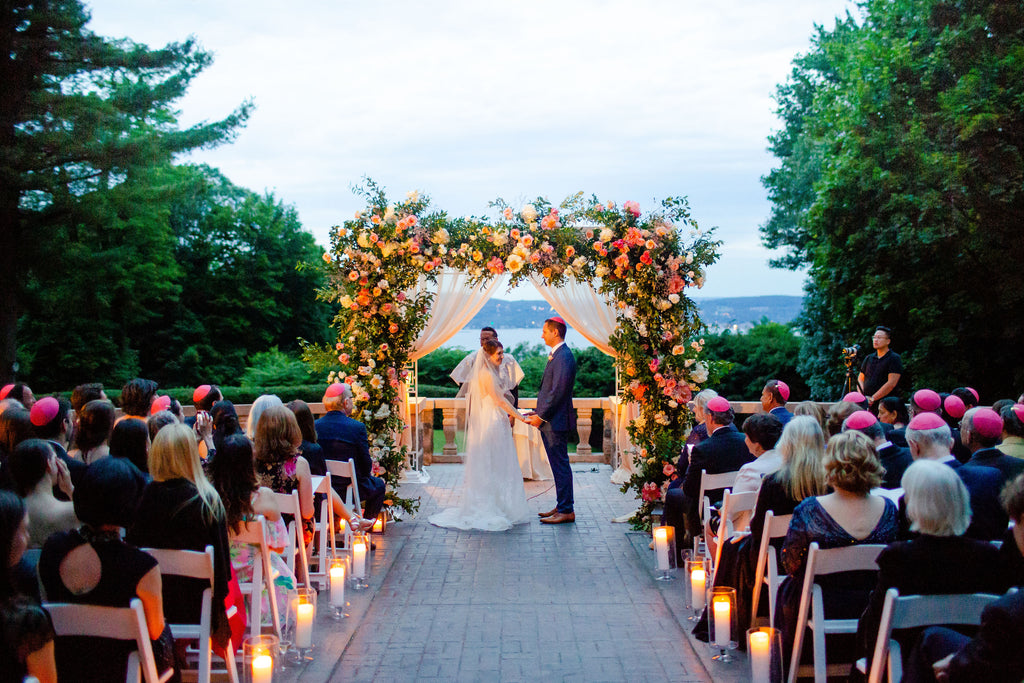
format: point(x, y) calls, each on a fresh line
point(939, 560)
point(699, 407)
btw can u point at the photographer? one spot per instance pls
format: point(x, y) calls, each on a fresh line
point(881, 372)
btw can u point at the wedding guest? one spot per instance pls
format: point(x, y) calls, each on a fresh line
point(54, 420)
point(36, 471)
point(1013, 431)
point(858, 399)
point(837, 414)
point(159, 420)
point(94, 566)
point(700, 431)
point(892, 413)
point(26, 634)
point(850, 515)
point(981, 429)
point(20, 392)
point(773, 400)
point(224, 419)
point(1011, 560)
point(180, 509)
point(15, 427)
point(203, 399)
point(257, 409)
point(95, 427)
point(84, 393)
point(310, 449)
point(761, 433)
point(814, 410)
point(130, 440)
point(136, 398)
point(894, 460)
point(939, 510)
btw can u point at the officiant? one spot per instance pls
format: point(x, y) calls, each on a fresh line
point(529, 447)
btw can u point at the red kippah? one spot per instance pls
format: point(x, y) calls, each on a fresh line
point(924, 421)
point(926, 399)
point(200, 393)
point(336, 389)
point(44, 410)
point(861, 419)
point(718, 405)
point(975, 392)
point(160, 403)
point(6, 390)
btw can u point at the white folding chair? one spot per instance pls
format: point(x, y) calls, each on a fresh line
point(710, 482)
point(324, 538)
point(767, 572)
point(196, 565)
point(819, 563)
point(347, 470)
point(257, 534)
point(914, 611)
point(119, 623)
point(288, 503)
point(732, 504)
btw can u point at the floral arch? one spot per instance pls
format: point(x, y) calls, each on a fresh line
point(642, 262)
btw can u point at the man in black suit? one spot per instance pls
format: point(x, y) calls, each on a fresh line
point(54, 421)
point(725, 450)
point(982, 429)
point(894, 459)
point(929, 438)
point(773, 400)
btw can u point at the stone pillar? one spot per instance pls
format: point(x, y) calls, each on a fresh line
point(608, 437)
point(426, 434)
point(450, 424)
point(583, 426)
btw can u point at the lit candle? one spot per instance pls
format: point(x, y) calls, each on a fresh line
point(722, 623)
point(661, 547)
point(760, 656)
point(378, 524)
point(262, 669)
point(304, 625)
point(341, 526)
point(359, 559)
point(697, 579)
point(338, 585)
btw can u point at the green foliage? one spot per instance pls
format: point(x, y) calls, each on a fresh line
point(768, 351)
point(274, 367)
point(86, 124)
point(901, 186)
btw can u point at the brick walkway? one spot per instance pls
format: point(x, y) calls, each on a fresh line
point(574, 602)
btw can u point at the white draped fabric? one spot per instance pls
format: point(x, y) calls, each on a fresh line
point(583, 308)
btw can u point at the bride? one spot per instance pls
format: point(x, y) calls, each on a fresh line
point(494, 498)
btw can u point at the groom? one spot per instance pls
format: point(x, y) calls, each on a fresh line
point(555, 417)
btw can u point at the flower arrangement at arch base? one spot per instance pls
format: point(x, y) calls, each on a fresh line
point(380, 260)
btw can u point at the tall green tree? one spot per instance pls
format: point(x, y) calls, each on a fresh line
point(767, 351)
point(901, 186)
point(83, 119)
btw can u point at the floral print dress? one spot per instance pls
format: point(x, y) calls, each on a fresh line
point(281, 477)
point(243, 559)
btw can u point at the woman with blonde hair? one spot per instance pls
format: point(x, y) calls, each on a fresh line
point(181, 510)
point(814, 410)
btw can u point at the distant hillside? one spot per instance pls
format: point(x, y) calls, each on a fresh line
point(742, 311)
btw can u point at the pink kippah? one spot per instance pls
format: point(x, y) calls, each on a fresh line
point(975, 392)
point(44, 410)
point(718, 405)
point(861, 419)
point(855, 397)
point(159, 404)
point(955, 407)
point(923, 421)
point(6, 390)
point(556, 319)
point(200, 393)
point(1018, 410)
point(336, 389)
point(986, 422)
point(783, 389)
point(926, 399)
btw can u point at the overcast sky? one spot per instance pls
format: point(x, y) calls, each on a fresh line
point(468, 101)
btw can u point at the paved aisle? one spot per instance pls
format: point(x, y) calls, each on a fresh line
point(540, 602)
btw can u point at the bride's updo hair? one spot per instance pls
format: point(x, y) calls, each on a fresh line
point(492, 346)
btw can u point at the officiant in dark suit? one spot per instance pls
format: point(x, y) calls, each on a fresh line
point(555, 417)
point(343, 438)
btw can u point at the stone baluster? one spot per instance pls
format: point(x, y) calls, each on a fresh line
point(609, 446)
point(450, 425)
point(583, 426)
point(426, 427)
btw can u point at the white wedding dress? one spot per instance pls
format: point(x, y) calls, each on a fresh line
point(493, 496)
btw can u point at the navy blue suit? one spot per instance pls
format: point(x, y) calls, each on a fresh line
point(988, 519)
point(782, 413)
point(1007, 465)
point(554, 407)
point(343, 438)
point(895, 460)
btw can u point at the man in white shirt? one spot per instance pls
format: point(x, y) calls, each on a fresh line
point(762, 432)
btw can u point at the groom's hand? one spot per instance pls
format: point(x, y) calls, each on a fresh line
point(534, 420)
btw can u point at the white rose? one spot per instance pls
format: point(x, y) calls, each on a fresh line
point(699, 373)
point(601, 271)
point(363, 240)
point(413, 196)
point(529, 213)
point(607, 235)
point(383, 284)
point(389, 215)
point(674, 298)
point(689, 257)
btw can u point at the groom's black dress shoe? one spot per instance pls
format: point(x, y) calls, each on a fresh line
point(559, 518)
point(549, 513)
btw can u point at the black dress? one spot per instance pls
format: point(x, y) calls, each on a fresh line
point(121, 569)
point(171, 515)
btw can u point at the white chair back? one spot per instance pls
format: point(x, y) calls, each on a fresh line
point(812, 610)
point(914, 611)
point(288, 503)
point(732, 505)
point(119, 623)
point(775, 526)
point(257, 534)
point(195, 565)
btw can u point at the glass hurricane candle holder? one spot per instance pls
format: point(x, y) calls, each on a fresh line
point(360, 555)
point(696, 584)
point(665, 551)
point(337, 573)
point(722, 623)
point(380, 524)
point(259, 657)
point(302, 615)
point(765, 648)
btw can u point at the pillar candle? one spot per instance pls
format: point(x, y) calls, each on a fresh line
point(722, 622)
point(697, 579)
point(760, 656)
point(262, 669)
point(304, 625)
point(359, 559)
point(661, 547)
point(338, 585)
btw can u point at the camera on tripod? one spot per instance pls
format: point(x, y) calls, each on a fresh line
point(850, 352)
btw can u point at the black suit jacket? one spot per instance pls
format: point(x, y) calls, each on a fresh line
point(1008, 465)
point(895, 460)
point(724, 451)
point(921, 566)
point(988, 519)
point(996, 653)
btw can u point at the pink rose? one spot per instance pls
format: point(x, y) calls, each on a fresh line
point(669, 469)
point(633, 208)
